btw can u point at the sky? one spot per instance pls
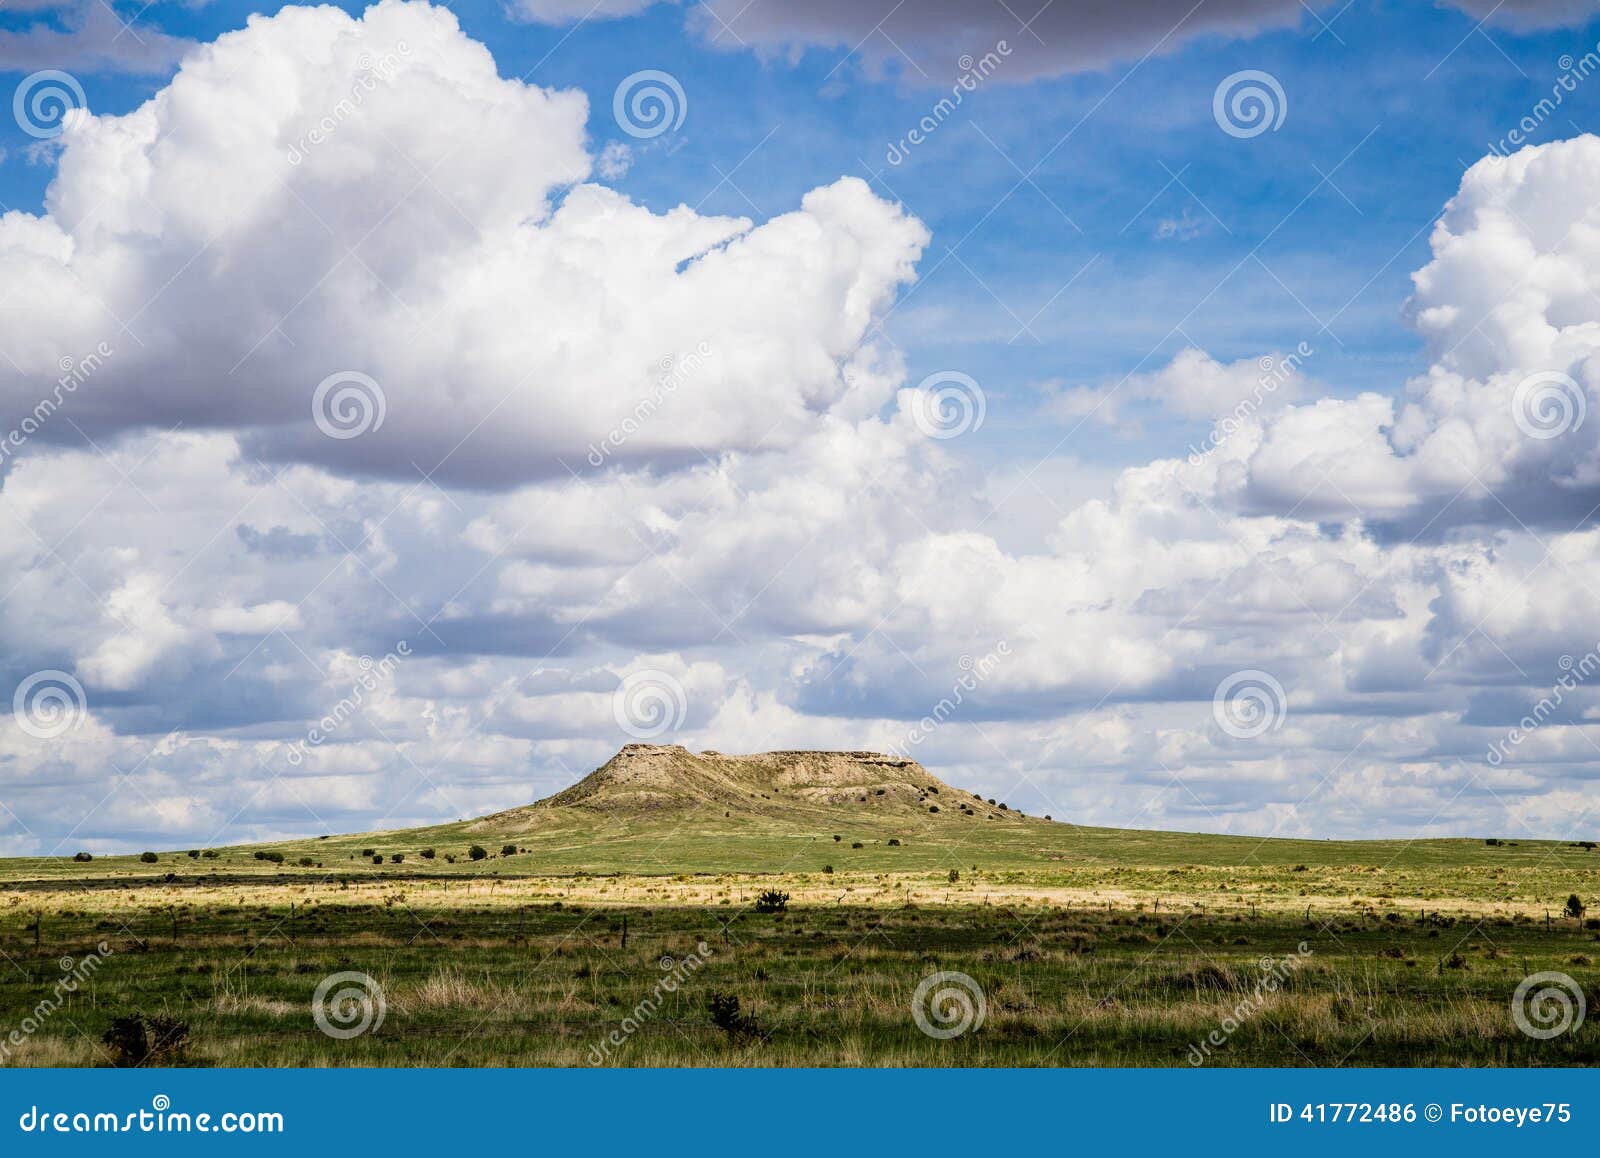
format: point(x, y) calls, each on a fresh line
point(1151, 414)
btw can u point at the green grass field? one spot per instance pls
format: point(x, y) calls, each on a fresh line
point(589, 935)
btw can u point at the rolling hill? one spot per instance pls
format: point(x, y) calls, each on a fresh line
point(663, 810)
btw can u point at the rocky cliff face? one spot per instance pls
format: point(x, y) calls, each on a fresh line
point(658, 777)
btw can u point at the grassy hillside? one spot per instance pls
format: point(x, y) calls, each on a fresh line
point(1087, 946)
point(660, 810)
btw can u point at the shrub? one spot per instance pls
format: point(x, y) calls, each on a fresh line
point(194, 854)
point(272, 857)
point(837, 839)
point(933, 808)
point(144, 1041)
point(508, 850)
point(82, 857)
point(772, 901)
point(210, 854)
point(477, 852)
point(396, 857)
point(827, 868)
point(1574, 907)
point(450, 858)
point(426, 854)
point(725, 1015)
point(955, 875)
point(1490, 841)
point(1299, 868)
point(894, 842)
point(148, 857)
point(306, 862)
point(369, 852)
point(377, 858)
point(857, 844)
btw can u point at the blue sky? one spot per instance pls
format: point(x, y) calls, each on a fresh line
point(1392, 100)
point(779, 534)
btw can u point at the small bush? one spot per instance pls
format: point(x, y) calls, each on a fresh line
point(210, 854)
point(449, 858)
point(306, 862)
point(1574, 908)
point(396, 857)
point(82, 857)
point(508, 850)
point(1299, 868)
point(827, 868)
point(837, 839)
point(194, 854)
point(725, 1015)
point(427, 854)
point(145, 1041)
point(272, 857)
point(1490, 841)
point(857, 844)
point(933, 808)
point(477, 852)
point(148, 857)
point(894, 842)
point(369, 852)
point(955, 875)
point(772, 901)
point(377, 858)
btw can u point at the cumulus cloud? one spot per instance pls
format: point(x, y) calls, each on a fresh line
point(752, 509)
point(415, 233)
